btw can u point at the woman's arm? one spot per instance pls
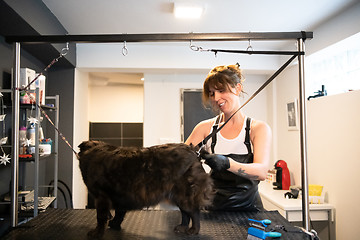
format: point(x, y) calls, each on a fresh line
point(200, 131)
point(260, 136)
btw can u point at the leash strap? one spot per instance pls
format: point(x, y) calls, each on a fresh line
point(203, 142)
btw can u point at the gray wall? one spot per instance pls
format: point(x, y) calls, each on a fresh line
point(5, 67)
point(60, 78)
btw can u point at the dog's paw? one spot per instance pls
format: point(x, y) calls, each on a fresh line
point(192, 231)
point(95, 234)
point(114, 225)
point(181, 229)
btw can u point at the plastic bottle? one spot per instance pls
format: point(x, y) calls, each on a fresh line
point(22, 140)
point(31, 134)
point(41, 133)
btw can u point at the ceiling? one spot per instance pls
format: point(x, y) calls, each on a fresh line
point(156, 16)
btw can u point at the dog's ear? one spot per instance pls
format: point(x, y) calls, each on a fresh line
point(194, 147)
point(85, 145)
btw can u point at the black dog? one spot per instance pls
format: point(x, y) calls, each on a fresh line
point(129, 178)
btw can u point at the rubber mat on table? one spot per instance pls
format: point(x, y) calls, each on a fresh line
point(147, 224)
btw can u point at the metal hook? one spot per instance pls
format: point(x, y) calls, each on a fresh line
point(197, 49)
point(65, 50)
point(125, 50)
point(198, 151)
point(193, 47)
point(249, 48)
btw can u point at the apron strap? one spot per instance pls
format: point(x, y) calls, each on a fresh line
point(247, 135)
point(214, 138)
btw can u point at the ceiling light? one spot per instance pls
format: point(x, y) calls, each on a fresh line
point(188, 10)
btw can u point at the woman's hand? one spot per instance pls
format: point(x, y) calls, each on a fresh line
point(217, 162)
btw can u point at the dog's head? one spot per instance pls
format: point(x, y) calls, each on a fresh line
point(86, 145)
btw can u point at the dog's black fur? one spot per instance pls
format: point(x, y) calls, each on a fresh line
point(129, 178)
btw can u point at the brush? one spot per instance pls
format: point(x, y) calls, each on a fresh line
point(255, 234)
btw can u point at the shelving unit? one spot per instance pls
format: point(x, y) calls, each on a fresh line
point(45, 201)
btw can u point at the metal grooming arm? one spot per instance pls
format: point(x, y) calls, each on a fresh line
point(175, 37)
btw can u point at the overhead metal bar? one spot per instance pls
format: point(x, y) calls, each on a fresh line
point(162, 37)
point(257, 52)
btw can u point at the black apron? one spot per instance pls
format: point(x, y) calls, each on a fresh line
point(234, 192)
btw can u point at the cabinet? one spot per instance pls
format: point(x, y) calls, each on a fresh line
point(35, 201)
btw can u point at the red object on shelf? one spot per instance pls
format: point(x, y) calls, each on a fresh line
point(25, 156)
point(282, 175)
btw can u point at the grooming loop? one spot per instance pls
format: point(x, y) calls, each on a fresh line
point(249, 48)
point(125, 50)
point(197, 48)
point(65, 50)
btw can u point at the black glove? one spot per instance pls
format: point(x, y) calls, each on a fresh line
point(217, 162)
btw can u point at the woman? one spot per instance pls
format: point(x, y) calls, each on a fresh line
point(239, 153)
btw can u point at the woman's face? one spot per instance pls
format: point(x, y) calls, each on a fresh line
point(224, 100)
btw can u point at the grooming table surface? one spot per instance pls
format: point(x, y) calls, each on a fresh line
point(147, 224)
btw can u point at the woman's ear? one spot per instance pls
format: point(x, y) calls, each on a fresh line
point(238, 88)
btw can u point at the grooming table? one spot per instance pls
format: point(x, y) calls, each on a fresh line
point(146, 224)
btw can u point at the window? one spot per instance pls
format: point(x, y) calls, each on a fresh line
point(337, 67)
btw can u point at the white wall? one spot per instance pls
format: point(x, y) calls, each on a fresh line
point(287, 142)
point(100, 104)
point(334, 154)
point(149, 57)
point(81, 133)
point(116, 103)
point(335, 29)
point(162, 104)
point(332, 121)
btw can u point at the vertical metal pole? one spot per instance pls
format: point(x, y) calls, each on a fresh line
point(56, 150)
point(15, 135)
point(303, 139)
point(37, 155)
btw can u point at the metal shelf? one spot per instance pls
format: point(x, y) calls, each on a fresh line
point(37, 203)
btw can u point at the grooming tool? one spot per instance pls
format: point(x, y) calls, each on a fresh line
point(255, 234)
point(264, 222)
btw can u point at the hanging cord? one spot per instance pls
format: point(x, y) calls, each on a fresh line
point(249, 50)
point(63, 52)
point(63, 193)
point(51, 122)
point(203, 142)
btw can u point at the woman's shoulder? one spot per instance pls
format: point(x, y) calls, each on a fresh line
point(206, 123)
point(259, 126)
point(200, 131)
